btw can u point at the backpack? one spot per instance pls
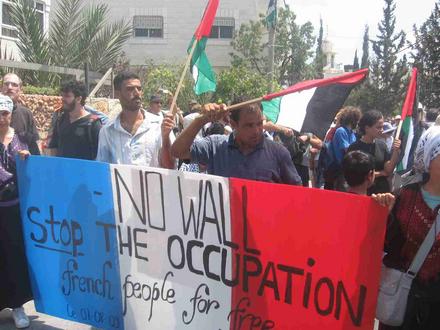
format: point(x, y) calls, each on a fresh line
point(92, 141)
point(327, 160)
point(296, 147)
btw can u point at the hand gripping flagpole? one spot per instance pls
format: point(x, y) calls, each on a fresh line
point(173, 107)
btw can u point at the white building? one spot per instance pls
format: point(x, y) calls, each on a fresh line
point(9, 31)
point(162, 29)
point(331, 69)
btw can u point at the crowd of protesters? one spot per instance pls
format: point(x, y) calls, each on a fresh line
point(358, 155)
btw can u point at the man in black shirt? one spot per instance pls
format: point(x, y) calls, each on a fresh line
point(76, 131)
point(22, 120)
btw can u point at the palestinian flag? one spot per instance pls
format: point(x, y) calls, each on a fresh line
point(407, 123)
point(271, 15)
point(310, 106)
point(135, 248)
point(201, 69)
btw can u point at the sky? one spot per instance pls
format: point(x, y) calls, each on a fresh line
point(344, 20)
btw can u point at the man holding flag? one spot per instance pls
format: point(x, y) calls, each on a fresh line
point(243, 154)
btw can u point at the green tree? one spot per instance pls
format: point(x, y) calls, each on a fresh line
point(356, 61)
point(77, 35)
point(239, 81)
point(248, 47)
point(427, 58)
point(365, 62)
point(319, 55)
point(294, 48)
point(159, 78)
point(387, 70)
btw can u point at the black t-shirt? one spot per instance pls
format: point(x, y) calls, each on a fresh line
point(380, 154)
point(78, 139)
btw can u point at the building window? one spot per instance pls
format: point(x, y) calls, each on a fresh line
point(148, 26)
point(8, 27)
point(39, 9)
point(223, 28)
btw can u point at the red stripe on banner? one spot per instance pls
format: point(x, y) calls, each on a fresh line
point(204, 28)
point(306, 258)
point(408, 105)
point(348, 78)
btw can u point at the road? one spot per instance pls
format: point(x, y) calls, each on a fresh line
point(39, 321)
point(45, 322)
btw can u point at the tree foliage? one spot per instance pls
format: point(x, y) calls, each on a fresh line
point(77, 34)
point(239, 81)
point(385, 89)
point(356, 61)
point(427, 58)
point(319, 55)
point(293, 48)
point(387, 70)
point(365, 62)
point(248, 47)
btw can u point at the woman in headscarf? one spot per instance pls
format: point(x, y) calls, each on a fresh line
point(15, 288)
point(413, 215)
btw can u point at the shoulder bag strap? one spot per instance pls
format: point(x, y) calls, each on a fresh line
point(426, 246)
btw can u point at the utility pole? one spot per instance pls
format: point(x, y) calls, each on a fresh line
point(272, 28)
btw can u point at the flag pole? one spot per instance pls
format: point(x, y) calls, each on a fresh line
point(173, 107)
point(242, 104)
point(399, 128)
point(272, 31)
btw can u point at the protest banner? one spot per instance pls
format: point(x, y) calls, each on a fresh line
point(125, 247)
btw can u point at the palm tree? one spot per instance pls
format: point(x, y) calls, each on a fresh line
point(77, 35)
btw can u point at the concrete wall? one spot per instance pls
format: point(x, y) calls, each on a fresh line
point(181, 18)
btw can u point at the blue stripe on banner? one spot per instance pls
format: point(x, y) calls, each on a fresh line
point(70, 238)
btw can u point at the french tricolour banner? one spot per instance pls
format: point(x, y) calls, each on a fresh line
point(310, 106)
point(125, 247)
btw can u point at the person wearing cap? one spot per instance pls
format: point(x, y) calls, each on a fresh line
point(22, 119)
point(396, 120)
point(15, 289)
point(388, 135)
point(156, 106)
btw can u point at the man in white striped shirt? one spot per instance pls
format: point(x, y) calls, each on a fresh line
point(134, 137)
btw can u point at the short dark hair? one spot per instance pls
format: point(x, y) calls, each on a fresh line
point(77, 88)
point(356, 166)
point(369, 118)
point(235, 114)
point(216, 128)
point(349, 116)
point(121, 77)
point(431, 114)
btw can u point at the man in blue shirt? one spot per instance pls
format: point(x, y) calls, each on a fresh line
point(244, 154)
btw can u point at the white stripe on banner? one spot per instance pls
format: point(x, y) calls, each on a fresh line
point(293, 109)
point(156, 295)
